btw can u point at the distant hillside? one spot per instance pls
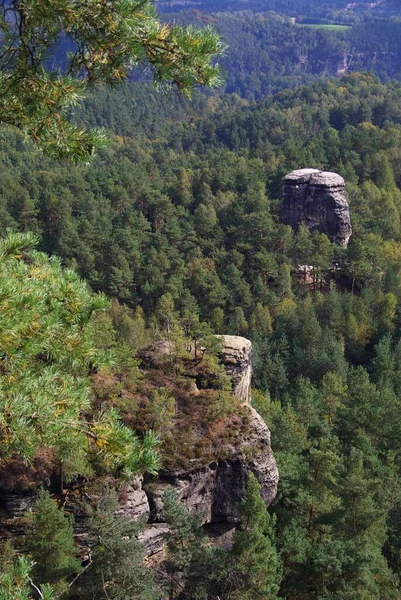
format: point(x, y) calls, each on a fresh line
point(311, 8)
point(268, 52)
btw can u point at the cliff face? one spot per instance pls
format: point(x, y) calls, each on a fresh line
point(237, 356)
point(340, 64)
point(317, 199)
point(212, 487)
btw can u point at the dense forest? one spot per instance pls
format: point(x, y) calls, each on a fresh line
point(269, 52)
point(173, 233)
point(310, 8)
point(186, 210)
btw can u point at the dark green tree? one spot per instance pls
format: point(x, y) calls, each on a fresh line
point(51, 543)
point(255, 568)
point(117, 570)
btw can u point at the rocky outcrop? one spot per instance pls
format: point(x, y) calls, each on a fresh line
point(134, 504)
point(317, 199)
point(340, 64)
point(236, 356)
point(212, 489)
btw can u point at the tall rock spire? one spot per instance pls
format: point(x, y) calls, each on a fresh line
point(317, 199)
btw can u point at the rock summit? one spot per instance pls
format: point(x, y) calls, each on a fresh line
point(317, 199)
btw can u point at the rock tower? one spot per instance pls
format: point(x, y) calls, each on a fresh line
point(317, 199)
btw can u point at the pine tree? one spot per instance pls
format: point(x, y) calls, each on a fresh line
point(51, 543)
point(16, 582)
point(109, 39)
point(117, 570)
point(189, 563)
point(255, 567)
point(365, 573)
point(47, 353)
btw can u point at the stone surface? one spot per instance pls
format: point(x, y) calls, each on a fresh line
point(339, 64)
point(134, 505)
point(236, 355)
point(212, 490)
point(16, 504)
point(152, 537)
point(317, 199)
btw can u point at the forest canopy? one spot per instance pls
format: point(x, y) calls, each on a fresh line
point(178, 223)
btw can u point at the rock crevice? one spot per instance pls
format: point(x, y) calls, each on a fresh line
point(317, 199)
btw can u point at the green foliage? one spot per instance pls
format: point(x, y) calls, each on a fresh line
point(46, 350)
point(16, 582)
point(162, 406)
point(180, 223)
point(47, 354)
point(117, 569)
point(93, 42)
point(189, 556)
point(51, 544)
point(250, 569)
point(256, 569)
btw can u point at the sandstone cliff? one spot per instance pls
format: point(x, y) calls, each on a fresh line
point(317, 199)
point(340, 64)
point(211, 482)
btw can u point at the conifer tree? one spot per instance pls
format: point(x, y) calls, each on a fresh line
point(16, 582)
point(47, 353)
point(189, 557)
point(117, 570)
point(89, 41)
point(51, 543)
point(255, 568)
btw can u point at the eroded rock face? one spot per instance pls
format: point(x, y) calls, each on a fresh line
point(212, 490)
point(236, 356)
point(317, 199)
point(134, 504)
point(339, 64)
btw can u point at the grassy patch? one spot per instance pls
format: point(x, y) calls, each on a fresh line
point(323, 26)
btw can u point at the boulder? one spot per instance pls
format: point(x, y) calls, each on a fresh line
point(317, 199)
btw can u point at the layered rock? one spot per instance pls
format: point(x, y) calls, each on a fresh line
point(211, 490)
point(236, 355)
point(317, 199)
point(214, 490)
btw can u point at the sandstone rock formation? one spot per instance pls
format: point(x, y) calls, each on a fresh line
point(317, 199)
point(212, 489)
point(342, 63)
point(236, 356)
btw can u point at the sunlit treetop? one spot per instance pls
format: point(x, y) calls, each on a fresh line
point(106, 39)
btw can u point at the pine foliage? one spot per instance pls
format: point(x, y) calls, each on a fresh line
point(92, 42)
